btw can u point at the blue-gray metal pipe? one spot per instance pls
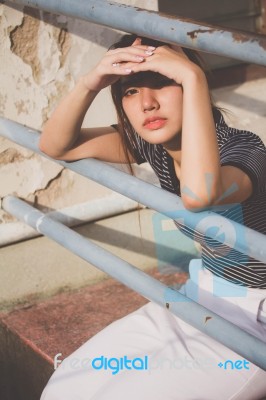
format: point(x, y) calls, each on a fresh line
point(227, 42)
point(244, 344)
point(243, 239)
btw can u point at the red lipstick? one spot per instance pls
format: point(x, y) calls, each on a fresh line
point(154, 122)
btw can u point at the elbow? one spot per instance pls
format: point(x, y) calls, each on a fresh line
point(48, 150)
point(191, 205)
point(49, 144)
point(44, 148)
point(202, 197)
point(198, 204)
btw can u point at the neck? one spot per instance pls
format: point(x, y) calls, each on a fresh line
point(176, 156)
point(173, 148)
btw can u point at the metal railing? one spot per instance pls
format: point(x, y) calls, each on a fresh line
point(249, 242)
point(188, 33)
point(249, 48)
point(230, 335)
point(223, 331)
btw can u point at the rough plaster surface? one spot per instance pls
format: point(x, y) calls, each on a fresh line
point(14, 176)
point(44, 55)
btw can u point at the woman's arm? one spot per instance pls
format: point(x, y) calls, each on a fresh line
point(202, 178)
point(201, 171)
point(63, 139)
point(62, 136)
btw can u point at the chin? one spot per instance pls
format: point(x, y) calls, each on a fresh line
point(165, 140)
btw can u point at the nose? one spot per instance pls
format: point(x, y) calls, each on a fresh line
point(149, 100)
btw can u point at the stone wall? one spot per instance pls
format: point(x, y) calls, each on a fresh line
point(43, 56)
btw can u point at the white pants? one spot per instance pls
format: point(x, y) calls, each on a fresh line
point(182, 361)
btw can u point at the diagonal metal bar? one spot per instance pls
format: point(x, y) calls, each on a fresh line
point(237, 44)
point(243, 343)
point(243, 239)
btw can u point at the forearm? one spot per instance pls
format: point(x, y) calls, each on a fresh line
point(200, 161)
point(63, 128)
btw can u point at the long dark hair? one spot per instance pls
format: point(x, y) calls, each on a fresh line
point(124, 127)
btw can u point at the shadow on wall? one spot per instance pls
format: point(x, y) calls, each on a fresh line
point(88, 31)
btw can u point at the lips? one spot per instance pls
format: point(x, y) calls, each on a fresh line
point(154, 122)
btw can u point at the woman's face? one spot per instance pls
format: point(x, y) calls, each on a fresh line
point(153, 105)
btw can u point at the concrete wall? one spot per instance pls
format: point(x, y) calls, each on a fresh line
point(43, 56)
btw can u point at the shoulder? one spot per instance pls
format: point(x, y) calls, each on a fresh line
point(229, 136)
point(244, 150)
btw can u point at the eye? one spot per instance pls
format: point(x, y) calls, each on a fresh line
point(129, 92)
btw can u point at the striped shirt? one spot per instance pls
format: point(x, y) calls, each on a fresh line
point(246, 151)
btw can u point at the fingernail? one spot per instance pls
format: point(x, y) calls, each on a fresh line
point(151, 48)
point(139, 58)
point(128, 71)
point(149, 53)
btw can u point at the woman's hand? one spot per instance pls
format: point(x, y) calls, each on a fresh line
point(115, 64)
point(168, 61)
point(62, 136)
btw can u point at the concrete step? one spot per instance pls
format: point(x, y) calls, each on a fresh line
point(31, 336)
point(51, 301)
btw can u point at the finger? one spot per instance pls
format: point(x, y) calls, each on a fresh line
point(121, 58)
point(133, 67)
point(120, 71)
point(116, 60)
point(136, 42)
point(145, 50)
point(141, 67)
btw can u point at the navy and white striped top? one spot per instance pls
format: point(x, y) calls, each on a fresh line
point(238, 148)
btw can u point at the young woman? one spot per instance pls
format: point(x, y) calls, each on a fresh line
point(166, 117)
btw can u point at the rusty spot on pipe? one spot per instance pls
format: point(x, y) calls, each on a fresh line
point(194, 34)
point(242, 38)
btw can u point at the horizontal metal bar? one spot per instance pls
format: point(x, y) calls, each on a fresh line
point(230, 335)
point(242, 239)
point(237, 44)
